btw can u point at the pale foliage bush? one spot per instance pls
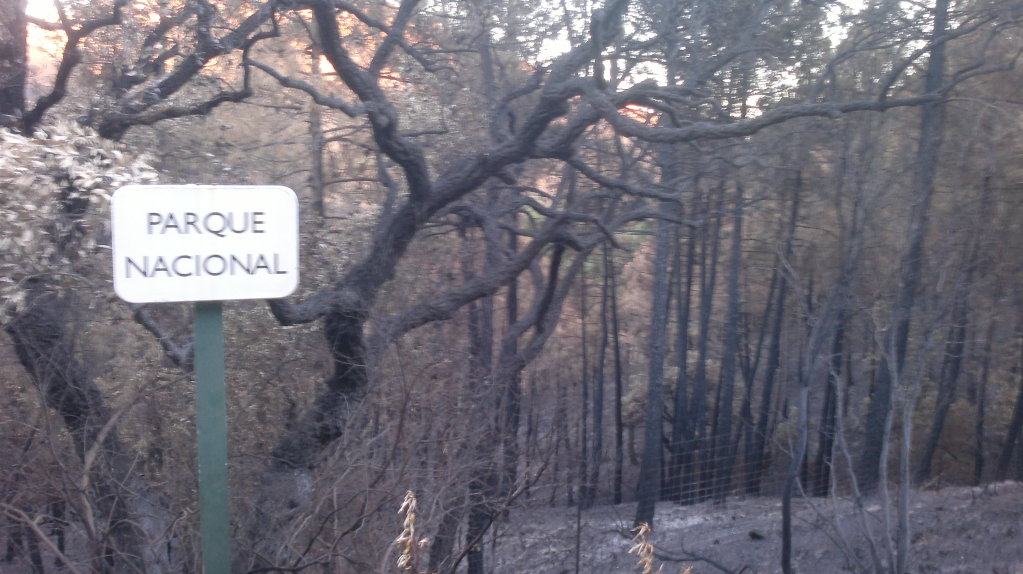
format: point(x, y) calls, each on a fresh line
point(54, 209)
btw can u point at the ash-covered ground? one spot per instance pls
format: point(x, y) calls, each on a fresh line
point(960, 530)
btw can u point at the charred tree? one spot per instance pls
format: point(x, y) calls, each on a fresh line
point(724, 441)
point(648, 488)
point(821, 483)
point(911, 269)
point(980, 397)
point(701, 477)
point(1015, 429)
point(681, 441)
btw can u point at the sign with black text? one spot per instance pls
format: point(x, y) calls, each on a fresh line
point(204, 242)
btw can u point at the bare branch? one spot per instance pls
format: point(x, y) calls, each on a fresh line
point(44, 24)
point(70, 58)
point(381, 112)
point(698, 130)
point(181, 354)
point(395, 36)
point(19, 515)
point(331, 102)
point(139, 106)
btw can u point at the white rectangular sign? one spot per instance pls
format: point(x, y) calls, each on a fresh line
point(204, 242)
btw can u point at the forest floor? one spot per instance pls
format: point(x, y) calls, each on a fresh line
point(955, 530)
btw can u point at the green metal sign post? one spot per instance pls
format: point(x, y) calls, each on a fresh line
point(211, 431)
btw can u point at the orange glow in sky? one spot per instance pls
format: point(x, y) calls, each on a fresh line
point(44, 47)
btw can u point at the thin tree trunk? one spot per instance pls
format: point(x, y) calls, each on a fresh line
point(751, 369)
point(981, 398)
point(484, 482)
point(725, 449)
point(619, 385)
point(316, 144)
point(681, 445)
point(513, 386)
point(950, 369)
point(790, 479)
point(902, 532)
point(749, 360)
point(443, 541)
point(597, 452)
point(710, 240)
point(585, 490)
point(1016, 424)
point(829, 412)
point(563, 444)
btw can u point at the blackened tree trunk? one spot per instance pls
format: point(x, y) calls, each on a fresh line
point(948, 380)
point(751, 367)
point(680, 446)
point(791, 478)
point(317, 184)
point(724, 441)
point(619, 466)
point(749, 361)
point(585, 488)
point(484, 481)
point(648, 488)
point(512, 391)
point(764, 412)
point(911, 268)
point(597, 450)
point(981, 400)
point(1012, 434)
point(710, 240)
point(829, 411)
